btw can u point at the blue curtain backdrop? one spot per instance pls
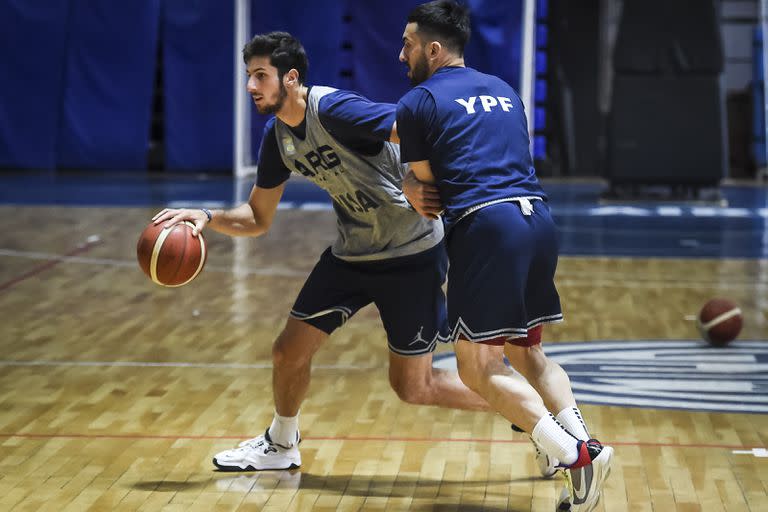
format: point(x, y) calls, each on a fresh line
point(78, 75)
point(32, 52)
point(354, 44)
point(376, 35)
point(318, 25)
point(198, 42)
point(109, 73)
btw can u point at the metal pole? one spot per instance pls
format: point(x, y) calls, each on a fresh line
point(242, 146)
point(763, 172)
point(528, 62)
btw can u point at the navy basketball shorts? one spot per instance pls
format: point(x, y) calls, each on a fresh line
point(501, 276)
point(406, 290)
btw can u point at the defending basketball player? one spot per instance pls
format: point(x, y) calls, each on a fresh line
point(340, 141)
point(467, 133)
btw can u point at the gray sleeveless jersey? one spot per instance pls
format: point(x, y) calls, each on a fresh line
point(374, 219)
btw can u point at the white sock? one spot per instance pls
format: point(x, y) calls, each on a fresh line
point(555, 440)
point(571, 419)
point(284, 430)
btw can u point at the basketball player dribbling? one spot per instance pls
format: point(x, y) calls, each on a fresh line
point(466, 132)
point(341, 142)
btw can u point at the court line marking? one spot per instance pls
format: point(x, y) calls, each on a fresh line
point(267, 271)
point(25, 435)
point(55, 260)
point(755, 452)
point(178, 364)
point(597, 279)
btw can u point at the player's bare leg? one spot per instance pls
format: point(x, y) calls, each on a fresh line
point(292, 355)
point(482, 369)
point(553, 385)
point(546, 376)
point(416, 382)
point(278, 448)
point(582, 490)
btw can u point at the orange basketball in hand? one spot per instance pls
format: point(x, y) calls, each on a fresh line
point(171, 257)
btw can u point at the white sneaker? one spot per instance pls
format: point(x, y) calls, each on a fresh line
point(258, 454)
point(547, 465)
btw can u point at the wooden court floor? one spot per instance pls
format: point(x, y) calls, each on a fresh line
point(115, 393)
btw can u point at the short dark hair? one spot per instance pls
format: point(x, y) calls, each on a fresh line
point(445, 20)
point(285, 52)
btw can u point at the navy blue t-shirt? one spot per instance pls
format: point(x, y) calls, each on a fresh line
point(472, 129)
point(355, 121)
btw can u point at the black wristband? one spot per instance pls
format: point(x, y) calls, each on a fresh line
point(207, 213)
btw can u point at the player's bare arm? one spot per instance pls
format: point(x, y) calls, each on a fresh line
point(422, 170)
point(424, 197)
point(249, 219)
point(419, 189)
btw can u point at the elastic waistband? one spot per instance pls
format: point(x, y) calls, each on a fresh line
point(525, 205)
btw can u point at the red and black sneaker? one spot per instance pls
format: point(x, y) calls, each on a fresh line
point(585, 477)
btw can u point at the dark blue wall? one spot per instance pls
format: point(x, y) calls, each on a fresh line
point(32, 84)
point(198, 45)
point(78, 75)
point(376, 36)
point(355, 44)
point(109, 74)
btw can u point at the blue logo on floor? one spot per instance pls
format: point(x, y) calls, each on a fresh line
point(687, 375)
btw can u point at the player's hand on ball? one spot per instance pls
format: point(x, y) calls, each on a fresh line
point(424, 197)
point(173, 216)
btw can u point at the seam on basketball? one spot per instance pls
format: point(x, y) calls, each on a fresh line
point(721, 318)
point(156, 254)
